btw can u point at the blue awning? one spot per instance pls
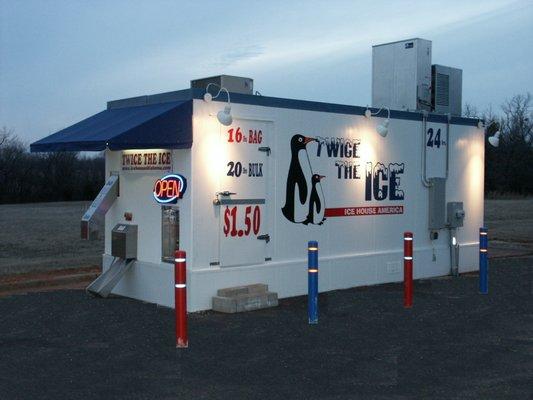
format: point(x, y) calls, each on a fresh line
point(163, 125)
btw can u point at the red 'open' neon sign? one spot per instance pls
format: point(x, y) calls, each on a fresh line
point(169, 188)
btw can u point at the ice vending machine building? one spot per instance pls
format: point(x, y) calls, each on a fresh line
point(244, 199)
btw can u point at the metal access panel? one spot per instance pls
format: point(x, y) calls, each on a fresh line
point(446, 89)
point(437, 203)
point(170, 232)
point(234, 84)
point(124, 241)
point(92, 221)
point(456, 214)
point(401, 75)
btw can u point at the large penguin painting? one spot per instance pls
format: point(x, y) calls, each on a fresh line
point(298, 179)
point(316, 202)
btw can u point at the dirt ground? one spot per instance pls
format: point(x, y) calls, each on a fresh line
point(46, 236)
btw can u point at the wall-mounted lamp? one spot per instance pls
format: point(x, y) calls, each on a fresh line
point(383, 128)
point(494, 140)
point(223, 116)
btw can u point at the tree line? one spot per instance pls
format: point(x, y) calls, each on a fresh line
point(67, 176)
point(508, 167)
point(41, 177)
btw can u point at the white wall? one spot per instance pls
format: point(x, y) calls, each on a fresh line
point(353, 250)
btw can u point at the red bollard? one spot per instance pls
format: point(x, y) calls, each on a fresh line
point(180, 298)
point(408, 269)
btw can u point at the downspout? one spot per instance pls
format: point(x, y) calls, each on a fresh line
point(454, 244)
point(425, 182)
point(449, 118)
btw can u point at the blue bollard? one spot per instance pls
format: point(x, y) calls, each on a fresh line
point(483, 263)
point(312, 281)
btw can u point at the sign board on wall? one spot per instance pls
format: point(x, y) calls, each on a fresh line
point(436, 142)
point(243, 218)
point(156, 160)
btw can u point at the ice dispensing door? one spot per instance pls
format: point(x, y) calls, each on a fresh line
point(243, 228)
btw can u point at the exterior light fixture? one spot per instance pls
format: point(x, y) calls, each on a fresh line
point(223, 116)
point(383, 128)
point(494, 140)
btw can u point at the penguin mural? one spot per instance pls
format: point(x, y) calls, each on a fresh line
point(297, 192)
point(316, 202)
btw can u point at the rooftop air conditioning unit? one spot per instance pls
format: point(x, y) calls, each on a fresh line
point(401, 75)
point(446, 89)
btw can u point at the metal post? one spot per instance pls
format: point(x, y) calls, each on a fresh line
point(180, 298)
point(454, 252)
point(312, 280)
point(408, 269)
point(483, 262)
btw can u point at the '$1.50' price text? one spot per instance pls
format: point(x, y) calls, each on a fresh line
point(252, 221)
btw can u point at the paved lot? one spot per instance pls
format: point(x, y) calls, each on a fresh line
point(454, 343)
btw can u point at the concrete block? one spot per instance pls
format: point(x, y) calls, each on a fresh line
point(244, 298)
point(224, 304)
point(256, 301)
point(238, 290)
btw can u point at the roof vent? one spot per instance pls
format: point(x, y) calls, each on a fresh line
point(234, 84)
point(447, 87)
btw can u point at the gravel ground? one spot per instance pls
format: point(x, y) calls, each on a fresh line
point(454, 343)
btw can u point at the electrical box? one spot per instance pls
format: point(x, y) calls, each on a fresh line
point(456, 214)
point(124, 241)
point(401, 75)
point(446, 89)
point(170, 232)
point(437, 203)
point(234, 84)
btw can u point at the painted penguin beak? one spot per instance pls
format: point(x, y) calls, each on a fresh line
point(320, 177)
point(309, 139)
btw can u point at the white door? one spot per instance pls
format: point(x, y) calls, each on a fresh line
point(243, 228)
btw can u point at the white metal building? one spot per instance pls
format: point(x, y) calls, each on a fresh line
point(282, 173)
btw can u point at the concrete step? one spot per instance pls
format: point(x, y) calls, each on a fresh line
point(238, 290)
point(244, 298)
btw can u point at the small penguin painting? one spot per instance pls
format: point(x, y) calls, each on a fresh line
point(297, 189)
point(316, 202)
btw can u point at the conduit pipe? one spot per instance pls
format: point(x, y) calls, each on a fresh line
point(425, 182)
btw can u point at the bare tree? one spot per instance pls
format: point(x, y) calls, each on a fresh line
point(509, 168)
point(6, 136)
point(470, 111)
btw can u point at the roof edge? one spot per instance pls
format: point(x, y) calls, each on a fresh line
point(166, 97)
point(279, 102)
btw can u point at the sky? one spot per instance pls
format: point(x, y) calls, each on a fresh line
point(61, 61)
